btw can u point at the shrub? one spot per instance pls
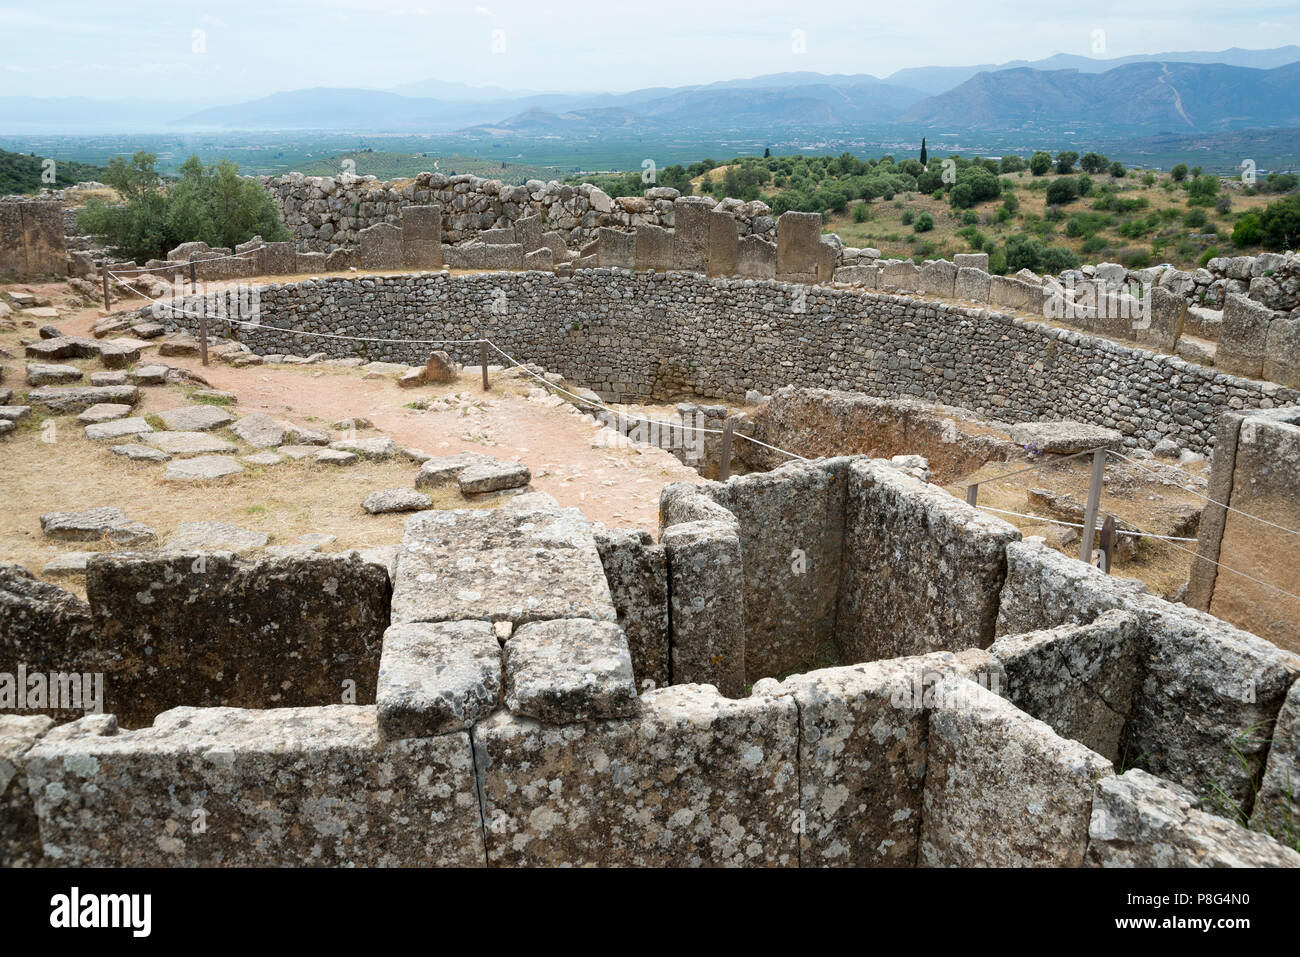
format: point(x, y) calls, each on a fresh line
point(1058, 259)
point(1117, 169)
point(1195, 219)
point(1065, 162)
point(211, 204)
point(861, 212)
point(907, 217)
point(1040, 163)
point(1280, 224)
point(1012, 164)
point(924, 223)
point(1011, 202)
point(1178, 173)
point(1062, 191)
point(1136, 258)
point(1247, 231)
point(997, 262)
point(1206, 256)
point(970, 217)
point(1094, 244)
point(1092, 163)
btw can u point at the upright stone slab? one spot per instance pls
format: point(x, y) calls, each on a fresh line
point(520, 565)
point(724, 244)
point(971, 261)
point(1002, 789)
point(948, 600)
point(1139, 820)
point(902, 276)
point(616, 248)
point(380, 247)
point(939, 278)
point(637, 571)
point(694, 780)
point(756, 258)
point(279, 259)
point(421, 237)
point(1079, 679)
point(828, 260)
point(528, 233)
point(654, 248)
point(1243, 340)
point(1277, 805)
point(288, 787)
point(20, 837)
point(503, 256)
point(199, 628)
point(691, 233)
point(1008, 292)
point(971, 283)
point(707, 586)
point(1282, 352)
point(862, 755)
point(798, 238)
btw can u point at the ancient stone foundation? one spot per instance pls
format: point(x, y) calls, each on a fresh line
point(548, 693)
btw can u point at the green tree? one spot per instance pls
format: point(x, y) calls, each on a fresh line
point(1179, 173)
point(1093, 163)
point(1280, 224)
point(1065, 162)
point(1040, 163)
point(924, 223)
point(1062, 191)
point(924, 158)
point(1012, 164)
point(1117, 169)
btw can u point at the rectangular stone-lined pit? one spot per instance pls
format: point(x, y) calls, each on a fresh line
point(922, 571)
point(695, 780)
point(221, 786)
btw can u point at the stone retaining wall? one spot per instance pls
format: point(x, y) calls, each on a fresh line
point(638, 336)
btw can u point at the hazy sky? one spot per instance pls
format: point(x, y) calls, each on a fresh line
point(115, 48)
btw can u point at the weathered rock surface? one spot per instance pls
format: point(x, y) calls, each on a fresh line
point(20, 838)
point(214, 537)
point(395, 500)
point(636, 569)
point(102, 523)
point(1065, 437)
point(195, 418)
point(118, 429)
point(496, 477)
point(189, 443)
point(204, 468)
point(567, 670)
point(436, 677)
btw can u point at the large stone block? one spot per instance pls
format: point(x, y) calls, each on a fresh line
point(1002, 789)
point(706, 586)
point(1007, 292)
point(502, 256)
point(528, 233)
point(862, 755)
point(1161, 322)
point(436, 677)
point(421, 237)
point(866, 276)
point(1282, 352)
point(615, 248)
point(569, 669)
point(971, 261)
point(20, 837)
point(654, 248)
point(694, 780)
point(520, 565)
point(902, 276)
point(947, 599)
point(380, 247)
point(724, 244)
point(1139, 820)
point(1243, 338)
point(938, 278)
point(279, 259)
point(1079, 679)
point(691, 233)
point(756, 258)
point(1277, 805)
point(289, 787)
point(214, 629)
point(798, 242)
point(971, 283)
point(637, 571)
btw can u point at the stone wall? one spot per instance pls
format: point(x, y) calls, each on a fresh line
point(1255, 473)
point(31, 240)
point(636, 336)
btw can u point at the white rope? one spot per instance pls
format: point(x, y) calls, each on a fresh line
point(1207, 498)
point(1137, 533)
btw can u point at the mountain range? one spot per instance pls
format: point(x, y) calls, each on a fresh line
point(1175, 92)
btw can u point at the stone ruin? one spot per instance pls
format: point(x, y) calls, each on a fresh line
point(828, 664)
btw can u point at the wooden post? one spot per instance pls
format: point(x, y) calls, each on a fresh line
point(1094, 503)
point(972, 493)
point(482, 358)
point(1107, 543)
point(104, 267)
point(203, 333)
point(724, 453)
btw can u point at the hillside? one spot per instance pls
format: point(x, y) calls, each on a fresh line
point(1179, 97)
point(21, 173)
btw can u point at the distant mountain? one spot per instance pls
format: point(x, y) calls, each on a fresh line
point(937, 79)
point(1152, 97)
point(330, 108)
point(29, 114)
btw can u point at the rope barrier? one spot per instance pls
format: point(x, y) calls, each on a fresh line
point(1133, 533)
point(1207, 498)
point(209, 259)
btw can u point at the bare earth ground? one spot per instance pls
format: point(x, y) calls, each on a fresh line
point(619, 487)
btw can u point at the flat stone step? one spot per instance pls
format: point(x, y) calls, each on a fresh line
point(516, 565)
